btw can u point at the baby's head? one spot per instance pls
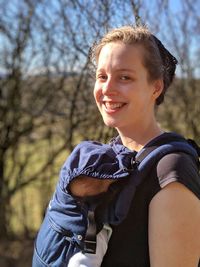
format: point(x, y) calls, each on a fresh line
point(86, 186)
point(93, 167)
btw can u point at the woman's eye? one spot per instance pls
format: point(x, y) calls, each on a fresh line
point(125, 77)
point(101, 77)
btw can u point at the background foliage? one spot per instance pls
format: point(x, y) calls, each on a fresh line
point(46, 101)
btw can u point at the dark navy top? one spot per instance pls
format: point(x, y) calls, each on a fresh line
point(128, 246)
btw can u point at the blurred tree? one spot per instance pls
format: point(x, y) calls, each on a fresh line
point(46, 102)
point(181, 111)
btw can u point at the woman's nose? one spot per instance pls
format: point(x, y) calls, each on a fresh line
point(108, 87)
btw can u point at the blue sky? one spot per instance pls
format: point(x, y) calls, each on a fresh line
point(48, 9)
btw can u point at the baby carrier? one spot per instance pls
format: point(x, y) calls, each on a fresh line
point(67, 228)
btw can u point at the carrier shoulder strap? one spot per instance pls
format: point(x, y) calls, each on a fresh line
point(163, 139)
point(195, 146)
point(141, 167)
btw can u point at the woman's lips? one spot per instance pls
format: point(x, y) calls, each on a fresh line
point(112, 107)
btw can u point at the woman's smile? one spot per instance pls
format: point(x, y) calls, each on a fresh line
point(113, 107)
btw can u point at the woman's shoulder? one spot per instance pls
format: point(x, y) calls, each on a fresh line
point(179, 167)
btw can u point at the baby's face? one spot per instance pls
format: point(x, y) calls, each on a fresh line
point(84, 186)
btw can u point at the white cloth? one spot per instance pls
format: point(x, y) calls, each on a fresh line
point(93, 260)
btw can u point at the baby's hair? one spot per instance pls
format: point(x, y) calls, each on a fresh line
point(158, 61)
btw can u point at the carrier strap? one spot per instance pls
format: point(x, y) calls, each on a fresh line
point(90, 238)
point(195, 146)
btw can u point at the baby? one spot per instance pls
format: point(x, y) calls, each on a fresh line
point(84, 184)
point(84, 187)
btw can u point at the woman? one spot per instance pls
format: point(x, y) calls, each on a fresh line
point(162, 229)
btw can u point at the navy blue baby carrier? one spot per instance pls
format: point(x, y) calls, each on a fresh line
point(67, 228)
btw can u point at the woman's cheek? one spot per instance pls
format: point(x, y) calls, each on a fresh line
point(97, 93)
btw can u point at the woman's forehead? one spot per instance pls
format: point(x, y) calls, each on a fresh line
point(120, 56)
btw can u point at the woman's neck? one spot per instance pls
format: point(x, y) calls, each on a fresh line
point(137, 138)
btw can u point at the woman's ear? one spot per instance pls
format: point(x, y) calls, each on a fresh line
point(158, 86)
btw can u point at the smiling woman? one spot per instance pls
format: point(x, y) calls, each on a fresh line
point(122, 89)
point(102, 205)
point(133, 73)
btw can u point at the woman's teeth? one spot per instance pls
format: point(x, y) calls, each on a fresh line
point(113, 105)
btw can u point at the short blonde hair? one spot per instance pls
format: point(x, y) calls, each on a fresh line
point(158, 61)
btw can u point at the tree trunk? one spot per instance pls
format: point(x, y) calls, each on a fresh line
point(3, 201)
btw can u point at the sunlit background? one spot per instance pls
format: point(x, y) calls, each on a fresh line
point(46, 101)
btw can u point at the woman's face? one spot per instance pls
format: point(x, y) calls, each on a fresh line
point(122, 91)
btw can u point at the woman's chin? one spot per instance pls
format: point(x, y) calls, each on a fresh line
point(111, 123)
